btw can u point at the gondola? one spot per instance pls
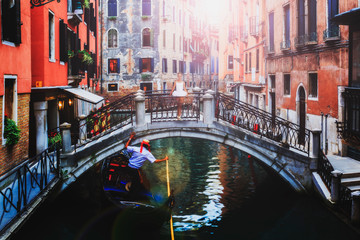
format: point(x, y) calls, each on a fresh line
point(124, 187)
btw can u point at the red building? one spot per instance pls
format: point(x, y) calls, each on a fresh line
point(64, 65)
point(15, 78)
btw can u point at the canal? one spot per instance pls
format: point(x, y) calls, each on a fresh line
point(221, 193)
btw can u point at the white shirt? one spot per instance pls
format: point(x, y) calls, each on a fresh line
point(138, 159)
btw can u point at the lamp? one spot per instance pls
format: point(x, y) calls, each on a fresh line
point(61, 105)
point(78, 8)
point(70, 102)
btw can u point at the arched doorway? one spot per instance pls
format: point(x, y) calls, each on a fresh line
point(302, 114)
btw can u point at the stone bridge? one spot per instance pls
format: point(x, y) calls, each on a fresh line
point(292, 165)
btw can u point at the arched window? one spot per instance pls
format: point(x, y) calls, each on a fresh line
point(147, 38)
point(112, 38)
point(146, 7)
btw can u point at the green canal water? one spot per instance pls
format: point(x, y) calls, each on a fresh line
point(220, 193)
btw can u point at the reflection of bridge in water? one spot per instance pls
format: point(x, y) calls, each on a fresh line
point(281, 145)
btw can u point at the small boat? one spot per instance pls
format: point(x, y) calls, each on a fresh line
point(124, 187)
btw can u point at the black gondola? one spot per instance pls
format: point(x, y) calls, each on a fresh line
point(124, 187)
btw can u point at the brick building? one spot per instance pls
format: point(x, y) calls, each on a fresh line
point(307, 64)
point(15, 78)
point(146, 43)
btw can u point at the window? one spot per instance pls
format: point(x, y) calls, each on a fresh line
point(250, 61)
point(301, 18)
point(11, 21)
point(355, 66)
point(51, 36)
point(286, 27)
point(272, 81)
point(113, 87)
point(174, 41)
point(146, 65)
point(164, 38)
point(312, 20)
point(146, 7)
point(147, 37)
point(179, 43)
point(257, 59)
point(246, 62)
point(112, 38)
point(114, 65)
point(313, 85)
point(173, 13)
point(287, 84)
point(333, 9)
point(179, 17)
point(174, 66)
point(112, 8)
point(182, 66)
point(10, 100)
point(271, 32)
point(163, 9)
point(230, 62)
point(164, 65)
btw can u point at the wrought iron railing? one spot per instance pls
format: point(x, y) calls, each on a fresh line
point(106, 119)
point(331, 33)
point(345, 200)
point(263, 123)
point(163, 106)
point(350, 128)
point(325, 169)
point(285, 45)
point(24, 184)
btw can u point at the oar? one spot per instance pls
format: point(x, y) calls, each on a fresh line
point(168, 190)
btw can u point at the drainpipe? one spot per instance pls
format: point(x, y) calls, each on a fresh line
point(326, 140)
point(322, 130)
point(101, 46)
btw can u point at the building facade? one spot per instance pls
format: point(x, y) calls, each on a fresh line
point(64, 61)
point(15, 78)
point(306, 64)
point(147, 42)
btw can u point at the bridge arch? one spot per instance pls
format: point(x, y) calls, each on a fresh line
point(291, 166)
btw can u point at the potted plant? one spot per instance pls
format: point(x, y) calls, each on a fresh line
point(11, 132)
point(71, 53)
point(86, 4)
point(85, 56)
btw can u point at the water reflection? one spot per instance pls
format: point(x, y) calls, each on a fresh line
point(221, 193)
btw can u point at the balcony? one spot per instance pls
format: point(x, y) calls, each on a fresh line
point(285, 45)
point(331, 34)
point(306, 39)
point(74, 12)
point(243, 34)
point(271, 49)
point(350, 128)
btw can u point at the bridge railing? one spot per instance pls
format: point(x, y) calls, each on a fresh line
point(163, 107)
point(263, 123)
point(324, 169)
point(21, 186)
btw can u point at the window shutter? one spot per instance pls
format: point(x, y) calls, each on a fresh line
point(151, 38)
point(118, 65)
point(152, 64)
point(140, 65)
point(18, 22)
point(63, 37)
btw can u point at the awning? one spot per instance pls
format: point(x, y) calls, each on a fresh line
point(348, 18)
point(84, 95)
point(249, 85)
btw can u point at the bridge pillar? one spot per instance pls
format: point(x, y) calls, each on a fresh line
point(208, 109)
point(315, 148)
point(212, 93)
point(140, 110)
point(335, 185)
point(82, 128)
point(40, 111)
point(66, 137)
point(355, 207)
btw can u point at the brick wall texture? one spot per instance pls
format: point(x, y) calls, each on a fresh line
point(10, 157)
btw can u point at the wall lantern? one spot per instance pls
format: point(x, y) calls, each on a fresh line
point(61, 105)
point(70, 102)
point(78, 8)
point(38, 3)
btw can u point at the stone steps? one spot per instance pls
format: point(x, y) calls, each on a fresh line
point(350, 181)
